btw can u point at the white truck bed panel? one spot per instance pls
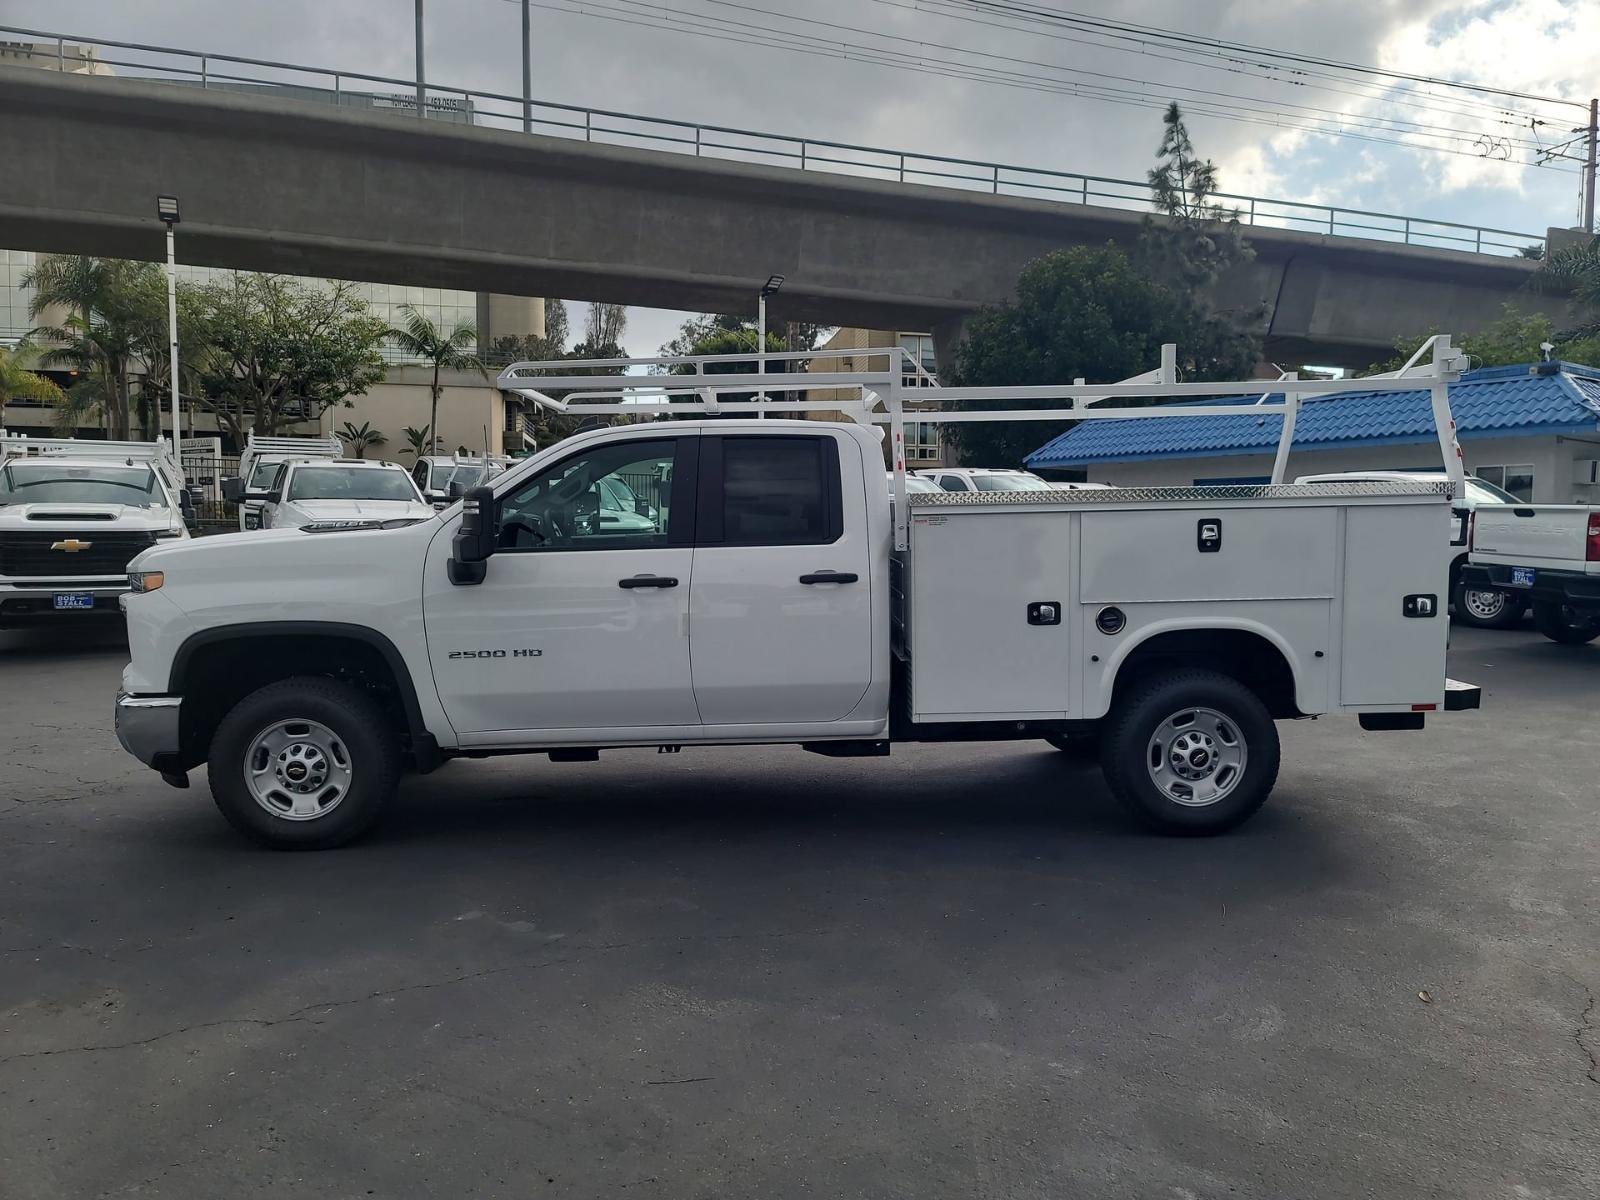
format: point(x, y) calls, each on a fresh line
point(1263, 554)
point(1391, 553)
point(974, 587)
point(1321, 571)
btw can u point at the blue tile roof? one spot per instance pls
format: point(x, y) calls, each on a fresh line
point(1490, 402)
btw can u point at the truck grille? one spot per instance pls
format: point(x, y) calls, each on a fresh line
point(28, 554)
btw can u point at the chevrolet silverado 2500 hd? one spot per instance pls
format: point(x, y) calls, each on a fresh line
point(768, 591)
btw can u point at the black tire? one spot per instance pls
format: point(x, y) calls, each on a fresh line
point(1080, 747)
point(1475, 611)
point(365, 735)
point(1127, 745)
point(1569, 626)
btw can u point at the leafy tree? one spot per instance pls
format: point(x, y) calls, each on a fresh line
point(361, 437)
point(272, 351)
point(1514, 338)
point(556, 327)
point(1197, 239)
point(114, 334)
point(19, 383)
point(1089, 312)
point(418, 443)
point(697, 329)
point(422, 338)
point(730, 341)
point(604, 325)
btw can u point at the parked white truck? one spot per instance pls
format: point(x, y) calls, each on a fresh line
point(259, 464)
point(773, 594)
point(72, 516)
point(1543, 555)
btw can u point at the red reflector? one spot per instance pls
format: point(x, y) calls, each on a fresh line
point(1424, 708)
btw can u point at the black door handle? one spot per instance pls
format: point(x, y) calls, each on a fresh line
point(649, 581)
point(830, 577)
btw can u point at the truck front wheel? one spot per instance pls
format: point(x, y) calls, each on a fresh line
point(304, 764)
point(1191, 753)
point(1561, 623)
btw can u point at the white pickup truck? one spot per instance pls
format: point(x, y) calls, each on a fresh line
point(772, 593)
point(72, 516)
point(259, 464)
point(1545, 555)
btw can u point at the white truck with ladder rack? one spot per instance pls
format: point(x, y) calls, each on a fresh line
point(774, 594)
point(259, 464)
point(73, 514)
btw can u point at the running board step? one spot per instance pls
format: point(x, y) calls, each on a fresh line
point(848, 749)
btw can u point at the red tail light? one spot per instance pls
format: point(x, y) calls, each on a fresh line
point(1591, 551)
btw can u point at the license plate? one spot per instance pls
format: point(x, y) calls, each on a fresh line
point(1522, 576)
point(74, 600)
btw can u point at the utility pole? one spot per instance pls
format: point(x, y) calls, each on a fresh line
point(167, 210)
point(527, 71)
point(422, 87)
point(1589, 165)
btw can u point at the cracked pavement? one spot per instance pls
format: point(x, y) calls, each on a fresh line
point(757, 972)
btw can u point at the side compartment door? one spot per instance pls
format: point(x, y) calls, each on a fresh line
point(581, 621)
point(781, 608)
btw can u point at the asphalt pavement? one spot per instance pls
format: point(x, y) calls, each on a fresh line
point(959, 971)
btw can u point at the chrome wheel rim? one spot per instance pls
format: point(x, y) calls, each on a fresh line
point(1485, 606)
point(298, 770)
point(1196, 757)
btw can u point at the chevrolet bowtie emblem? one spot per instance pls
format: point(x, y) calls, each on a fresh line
point(70, 545)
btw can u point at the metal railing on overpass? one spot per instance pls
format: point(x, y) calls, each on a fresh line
point(496, 110)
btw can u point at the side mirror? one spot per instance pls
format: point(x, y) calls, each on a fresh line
point(457, 489)
point(233, 490)
point(186, 504)
point(474, 540)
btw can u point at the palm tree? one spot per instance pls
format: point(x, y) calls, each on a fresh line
point(422, 338)
point(360, 437)
point(1574, 271)
point(18, 383)
point(114, 311)
point(419, 443)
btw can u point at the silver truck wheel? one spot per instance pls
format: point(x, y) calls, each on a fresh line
point(304, 764)
point(298, 770)
point(1192, 752)
point(1197, 757)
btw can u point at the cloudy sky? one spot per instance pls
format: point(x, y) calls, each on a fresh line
point(896, 73)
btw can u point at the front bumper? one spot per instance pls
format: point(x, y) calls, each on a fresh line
point(147, 727)
point(1572, 588)
point(28, 603)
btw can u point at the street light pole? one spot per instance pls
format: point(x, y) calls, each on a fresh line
point(422, 87)
point(527, 70)
point(770, 288)
point(167, 210)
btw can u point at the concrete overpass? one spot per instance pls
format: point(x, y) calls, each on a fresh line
point(311, 190)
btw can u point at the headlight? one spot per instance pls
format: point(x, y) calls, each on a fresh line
point(146, 581)
point(169, 533)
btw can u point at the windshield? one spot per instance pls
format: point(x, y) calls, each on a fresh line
point(468, 476)
point(351, 483)
point(261, 475)
point(44, 482)
point(1009, 483)
point(1480, 492)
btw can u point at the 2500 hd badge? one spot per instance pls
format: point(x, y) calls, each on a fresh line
point(496, 654)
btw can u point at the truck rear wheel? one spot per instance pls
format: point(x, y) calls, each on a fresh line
point(1564, 624)
point(1486, 610)
point(304, 764)
point(1191, 753)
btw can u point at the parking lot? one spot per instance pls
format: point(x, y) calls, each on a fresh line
point(959, 971)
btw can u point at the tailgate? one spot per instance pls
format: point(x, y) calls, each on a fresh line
point(1531, 534)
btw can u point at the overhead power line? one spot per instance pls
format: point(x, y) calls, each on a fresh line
point(1221, 105)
